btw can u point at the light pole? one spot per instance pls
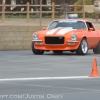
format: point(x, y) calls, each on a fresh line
point(83, 9)
point(40, 14)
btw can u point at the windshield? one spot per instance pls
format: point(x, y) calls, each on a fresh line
point(68, 23)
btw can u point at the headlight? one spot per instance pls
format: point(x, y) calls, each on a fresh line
point(73, 37)
point(35, 36)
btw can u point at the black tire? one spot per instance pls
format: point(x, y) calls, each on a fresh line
point(57, 51)
point(37, 52)
point(97, 49)
point(83, 48)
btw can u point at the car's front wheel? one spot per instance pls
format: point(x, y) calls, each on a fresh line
point(97, 49)
point(37, 52)
point(83, 48)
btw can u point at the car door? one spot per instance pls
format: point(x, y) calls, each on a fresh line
point(92, 35)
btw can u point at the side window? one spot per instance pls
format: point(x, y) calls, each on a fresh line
point(81, 25)
point(90, 25)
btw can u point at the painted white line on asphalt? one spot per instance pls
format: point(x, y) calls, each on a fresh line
point(45, 78)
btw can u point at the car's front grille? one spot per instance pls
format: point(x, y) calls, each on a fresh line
point(54, 40)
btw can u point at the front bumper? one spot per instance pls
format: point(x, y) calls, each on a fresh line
point(68, 45)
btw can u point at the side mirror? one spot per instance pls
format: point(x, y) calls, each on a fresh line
point(90, 29)
point(44, 28)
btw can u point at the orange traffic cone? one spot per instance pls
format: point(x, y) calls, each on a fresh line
point(94, 72)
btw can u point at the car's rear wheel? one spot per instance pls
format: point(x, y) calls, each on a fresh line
point(97, 49)
point(57, 51)
point(83, 48)
point(37, 52)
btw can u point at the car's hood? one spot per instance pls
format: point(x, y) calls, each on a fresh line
point(59, 31)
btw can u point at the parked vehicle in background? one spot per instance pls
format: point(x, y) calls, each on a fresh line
point(97, 6)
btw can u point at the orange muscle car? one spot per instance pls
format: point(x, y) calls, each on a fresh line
point(75, 35)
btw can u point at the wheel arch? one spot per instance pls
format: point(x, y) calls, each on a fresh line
point(84, 37)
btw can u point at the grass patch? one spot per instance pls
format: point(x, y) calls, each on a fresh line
point(19, 16)
point(80, 15)
point(24, 16)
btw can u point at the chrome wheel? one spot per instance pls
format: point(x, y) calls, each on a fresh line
point(84, 46)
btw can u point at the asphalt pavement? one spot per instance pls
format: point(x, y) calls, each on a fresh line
point(25, 76)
